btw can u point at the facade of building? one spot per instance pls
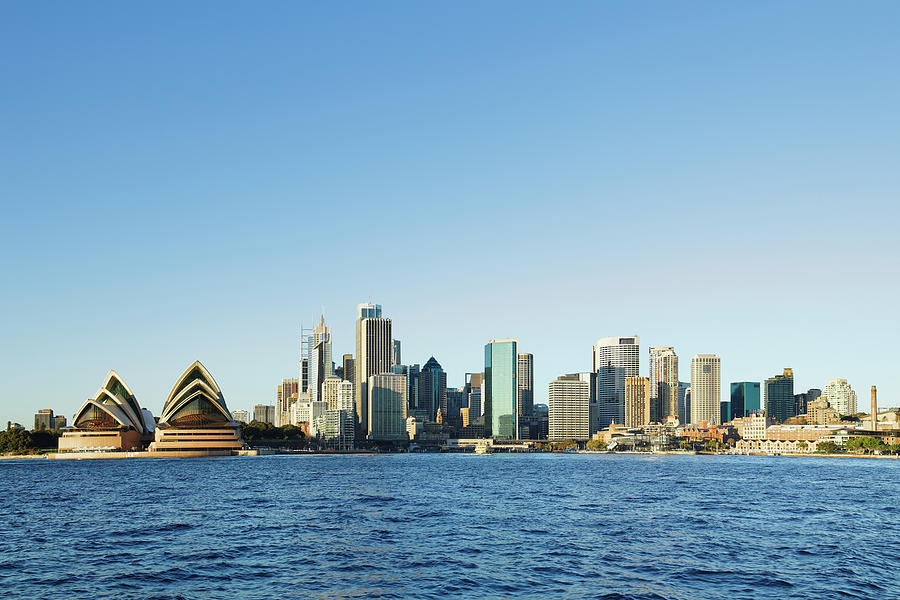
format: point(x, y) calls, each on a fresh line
point(637, 401)
point(387, 407)
point(840, 396)
point(44, 420)
point(286, 396)
point(195, 417)
point(614, 360)
point(500, 389)
point(338, 395)
point(110, 421)
point(663, 383)
point(818, 412)
point(432, 384)
point(240, 416)
point(744, 398)
point(336, 428)
point(264, 413)
point(753, 426)
point(525, 385)
point(395, 353)
point(374, 353)
point(349, 368)
point(684, 402)
point(568, 409)
point(706, 389)
point(320, 364)
point(779, 396)
point(724, 411)
point(475, 387)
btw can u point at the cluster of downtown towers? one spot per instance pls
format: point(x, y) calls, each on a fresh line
point(382, 399)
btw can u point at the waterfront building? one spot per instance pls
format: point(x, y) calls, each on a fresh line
point(111, 420)
point(541, 418)
point(753, 426)
point(684, 402)
point(637, 402)
point(336, 428)
point(240, 416)
point(338, 394)
point(387, 407)
point(432, 381)
point(195, 417)
point(524, 385)
point(779, 396)
point(320, 364)
point(614, 359)
point(744, 398)
point(500, 389)
point(286, 395)
point(374, 350)
point(264, 413)
point(705, 389)
point(43, 420)
point(568, 409)
point(663, 383)
point(840, 396)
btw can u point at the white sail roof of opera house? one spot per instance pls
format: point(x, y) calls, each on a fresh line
point(195, 401)
point(114, 405)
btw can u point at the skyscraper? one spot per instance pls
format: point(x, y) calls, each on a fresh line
point(338, 394)
point(395, 352)
point(387, 407)
point(525, 385)
point(615, 359)
point(637, 401)
point(744, 398)
point(320, 365)
point(840, 396)
point(432, 389)
point(475, 385)
point(374, 348)
point(349, 368)
point(500, 389)
point(569, 399)
point(705, 389)
point(663, 383)
point(684, 402)
point(780, 396)
point(286, 396)
point(264, 413)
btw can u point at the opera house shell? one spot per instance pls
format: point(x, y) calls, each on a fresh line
point(195, 418)
point(110, 421)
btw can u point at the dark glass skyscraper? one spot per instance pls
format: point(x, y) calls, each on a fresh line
point(432, 388)
point(744, 398)
point(780, 396)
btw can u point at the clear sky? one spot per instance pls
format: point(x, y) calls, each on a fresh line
point(186, 181)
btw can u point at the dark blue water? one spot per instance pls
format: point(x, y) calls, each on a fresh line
point(451, 526)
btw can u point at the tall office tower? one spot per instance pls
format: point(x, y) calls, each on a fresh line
point(395, 352)
point(320, 365)
point(744, 398)
point(615, 359)
point(456, 401)
point(724, 411)
point(349, 368)
point(386, 407)
point(373, 355)
point(685, 403)
point(43, 420)
point(338, 394)
point(264, 413)
point(663, 383)
point(285, 396)
point(432, 389)
point(780, 396)
point(840, 396)
point(705, 388)
point(637, 401)
point(591, 379)
point(475, 385)
point(525, 385)
point(500, 389)
point(569, 409)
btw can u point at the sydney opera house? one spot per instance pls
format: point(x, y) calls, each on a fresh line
point(195, 421)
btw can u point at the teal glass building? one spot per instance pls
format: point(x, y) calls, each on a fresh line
point(500, 389)
point(744, 398)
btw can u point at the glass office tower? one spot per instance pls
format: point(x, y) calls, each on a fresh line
point(500, 389)
point(744, 398)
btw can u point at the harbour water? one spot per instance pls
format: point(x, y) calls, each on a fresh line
point(451, 526)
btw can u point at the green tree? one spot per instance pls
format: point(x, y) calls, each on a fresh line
point(15, 441)
point(595, 445)
point(828, 448)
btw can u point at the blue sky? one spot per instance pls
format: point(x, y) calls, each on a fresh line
point(188, 181)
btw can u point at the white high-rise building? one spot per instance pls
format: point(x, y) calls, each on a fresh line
point(569, 408)
point(663, 382)
point(840, 396)
point(338, 394)
point(374, 350)
point(320, 365)
point(706, 389)
point(615, 359)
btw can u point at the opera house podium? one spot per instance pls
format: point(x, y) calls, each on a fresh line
point(195, 419)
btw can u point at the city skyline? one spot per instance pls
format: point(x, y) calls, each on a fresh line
point(565, 175)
